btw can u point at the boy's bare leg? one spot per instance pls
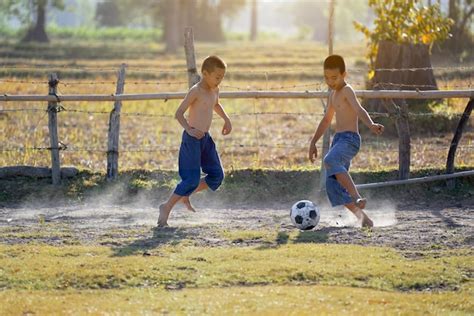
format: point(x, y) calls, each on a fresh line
point(360, 214)
point(165, 209)
point(185, 199)
point(345, 180)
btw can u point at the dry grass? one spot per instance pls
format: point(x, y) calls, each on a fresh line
point(277, 139)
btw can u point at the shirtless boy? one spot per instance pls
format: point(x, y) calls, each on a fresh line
point(198, 150)
point(340, 187)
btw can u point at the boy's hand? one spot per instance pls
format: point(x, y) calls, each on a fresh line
point(227, 127)
point(313, 152)
point(377, 129)
point(194, 132)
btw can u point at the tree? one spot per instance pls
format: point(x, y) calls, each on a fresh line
point(174, 15)
point(108, 14)
point(253, 21)
point(314, 15)
point(24, 9)
point(461, 12)
point(404, 33)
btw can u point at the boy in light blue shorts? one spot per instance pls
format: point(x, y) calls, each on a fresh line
point(342, 102)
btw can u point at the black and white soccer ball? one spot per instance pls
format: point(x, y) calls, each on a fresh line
point(305, 215)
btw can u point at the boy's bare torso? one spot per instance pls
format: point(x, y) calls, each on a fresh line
point(201, 110)
point(346, 116)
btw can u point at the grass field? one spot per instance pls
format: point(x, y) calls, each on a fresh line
point(90, 246)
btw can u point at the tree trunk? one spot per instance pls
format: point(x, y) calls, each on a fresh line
point(392, 56)
point(38, 32)
point(253, 21)
point(209, 28)
point(171, 26)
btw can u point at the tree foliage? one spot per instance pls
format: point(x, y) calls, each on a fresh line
point(405, 22)
point(24, 9)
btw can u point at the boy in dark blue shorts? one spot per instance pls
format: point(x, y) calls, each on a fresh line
point(342, 101)
point(198, 150)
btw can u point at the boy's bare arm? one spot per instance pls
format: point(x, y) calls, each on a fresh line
point(350, 96)
point(188, 100)
point(221, 112)
point(323, 125)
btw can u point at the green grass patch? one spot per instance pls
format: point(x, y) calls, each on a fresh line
point(256, 300)
point(46, 267)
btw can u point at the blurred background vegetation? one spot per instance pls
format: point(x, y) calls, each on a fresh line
point(220, 20)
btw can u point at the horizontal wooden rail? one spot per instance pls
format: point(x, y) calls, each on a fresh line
point(415, 180)
point(368, 94)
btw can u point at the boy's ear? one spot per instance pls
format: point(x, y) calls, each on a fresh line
point(344, 74)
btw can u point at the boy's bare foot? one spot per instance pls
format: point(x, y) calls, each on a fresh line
point(363, 218)
point(367, 222)
point(163, 217)
point(187, 203)
point(360, 203)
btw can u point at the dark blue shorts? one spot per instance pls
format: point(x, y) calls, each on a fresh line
point(345, 146)
point(194, 155)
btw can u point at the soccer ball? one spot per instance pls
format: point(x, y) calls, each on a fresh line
point(305, 215)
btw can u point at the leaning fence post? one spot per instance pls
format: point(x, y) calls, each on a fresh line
point(456, 138)
point(193, 76)
point(53, 109)
point(114, 128)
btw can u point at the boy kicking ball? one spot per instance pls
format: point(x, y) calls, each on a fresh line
point(342, 102)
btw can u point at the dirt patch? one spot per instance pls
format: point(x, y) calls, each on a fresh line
point(408, 227)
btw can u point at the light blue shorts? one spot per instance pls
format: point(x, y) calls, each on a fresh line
point(344, 147)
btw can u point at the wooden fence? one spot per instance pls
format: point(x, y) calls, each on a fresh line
point(394, 101)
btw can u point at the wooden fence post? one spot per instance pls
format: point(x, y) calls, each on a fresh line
point(456, 138)
point(193, 76)
point(53, 109)
point(326, 143)
point(403, 129)
point(114, 129)
point(327, 133)
point(404, 143)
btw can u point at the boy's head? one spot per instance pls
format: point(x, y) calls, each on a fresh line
point(334, 71)
point(213, 70)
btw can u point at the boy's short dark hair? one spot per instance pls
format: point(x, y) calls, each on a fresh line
point(335, 62)
point(212, 62)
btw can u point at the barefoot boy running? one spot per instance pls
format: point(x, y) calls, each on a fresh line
point(346, 143)
point(197, 147)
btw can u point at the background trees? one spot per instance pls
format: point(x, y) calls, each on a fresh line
point(404, 31)
point(24, 10)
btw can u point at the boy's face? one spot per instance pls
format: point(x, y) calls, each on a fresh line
point(214, 78)
point(334, 78)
